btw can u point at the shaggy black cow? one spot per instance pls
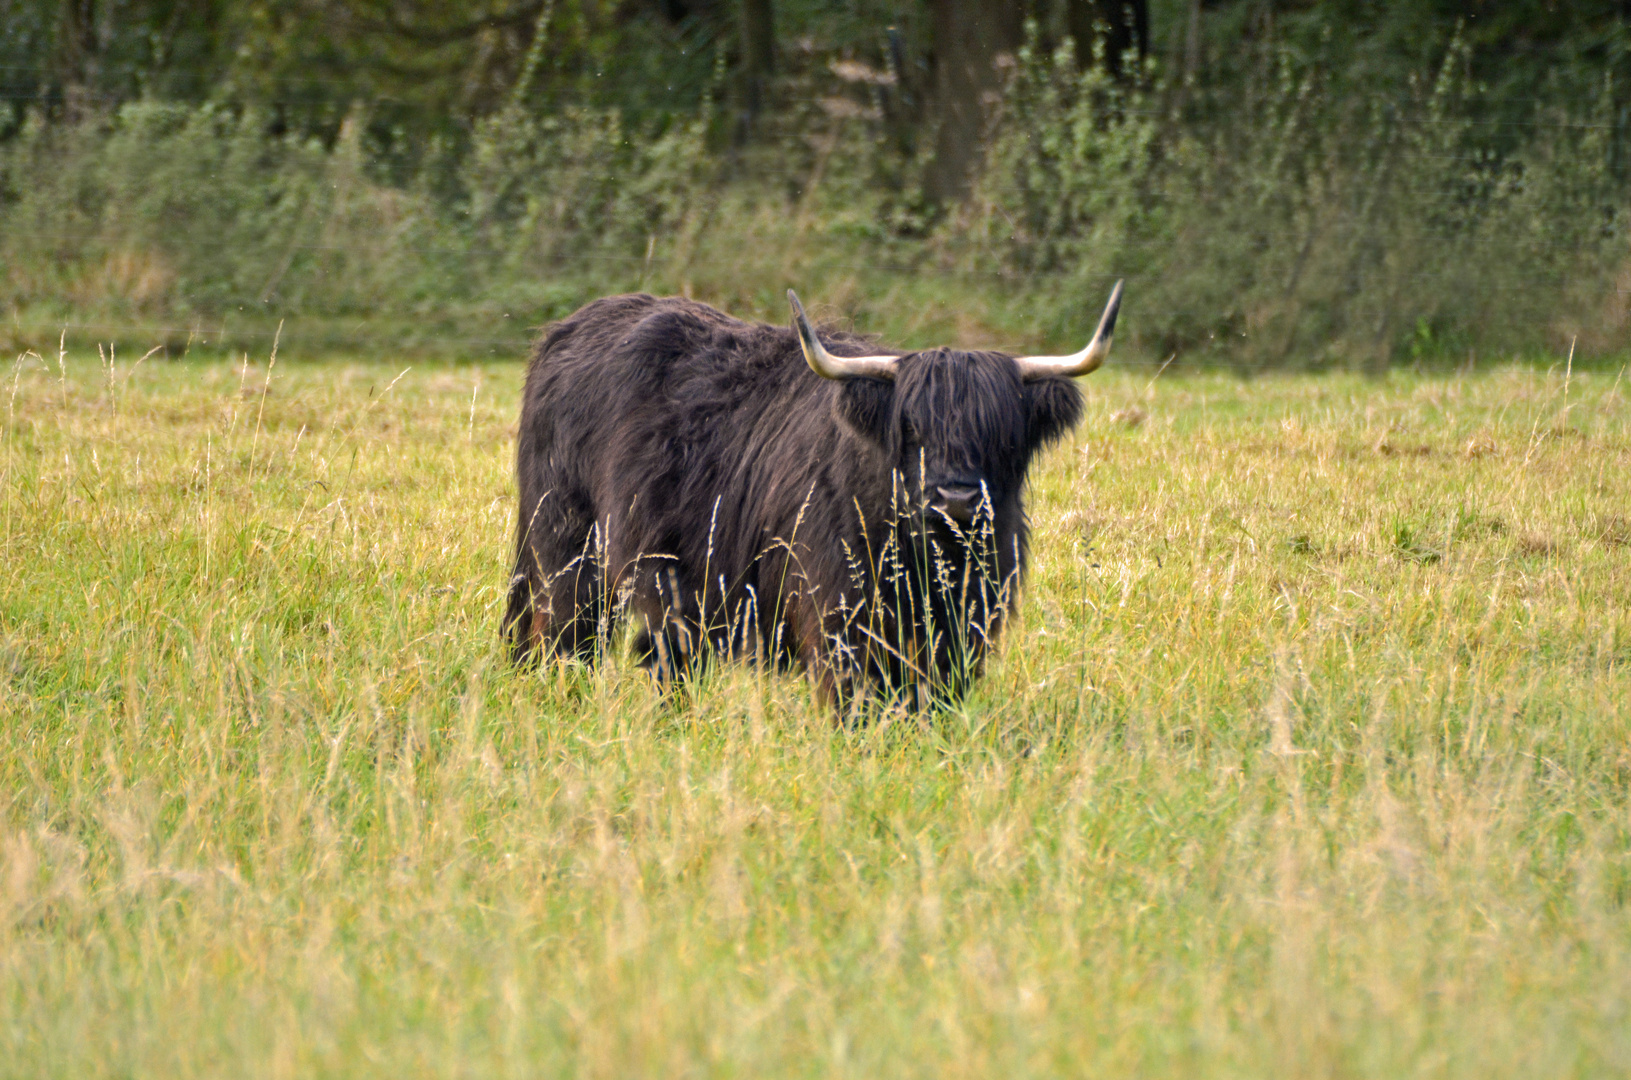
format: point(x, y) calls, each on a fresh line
point(746, 489)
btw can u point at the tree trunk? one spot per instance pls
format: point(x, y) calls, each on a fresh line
point(1124, 23)
point(969, 35)
point(758, 57)
point(1192, 44)
point(79, 57)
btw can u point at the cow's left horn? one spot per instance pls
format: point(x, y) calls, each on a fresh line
point(827, 365)
point(1089, 359)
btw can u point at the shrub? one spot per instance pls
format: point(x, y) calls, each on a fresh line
point(1302, 225)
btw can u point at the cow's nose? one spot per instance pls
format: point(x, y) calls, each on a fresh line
point(957, 501)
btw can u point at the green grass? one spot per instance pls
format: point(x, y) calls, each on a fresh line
point(1308, 755)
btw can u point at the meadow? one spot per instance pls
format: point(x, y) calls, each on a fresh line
point(1307, 755)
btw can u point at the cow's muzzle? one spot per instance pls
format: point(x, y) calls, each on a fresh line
point(959, 501)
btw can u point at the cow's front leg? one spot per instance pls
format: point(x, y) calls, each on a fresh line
point(669, 641)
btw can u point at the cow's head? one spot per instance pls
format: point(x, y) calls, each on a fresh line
point(961, 427)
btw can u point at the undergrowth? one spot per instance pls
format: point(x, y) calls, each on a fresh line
point(1289, 220)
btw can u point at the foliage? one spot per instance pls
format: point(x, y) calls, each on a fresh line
point(192, 213)
point(1311, 227)
point(541, 189)
point(1321, 195)
point(1065, 196)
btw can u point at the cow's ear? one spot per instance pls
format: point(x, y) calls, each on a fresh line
point(1055, 407)
point(865, 407)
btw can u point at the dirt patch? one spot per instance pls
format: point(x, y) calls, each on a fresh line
point(1130, 417)
point(1388, 448)
point(1611, 530)
point(1530, 542)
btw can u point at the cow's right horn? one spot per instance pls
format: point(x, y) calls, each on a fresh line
point(1089, 359)
point(827, 365)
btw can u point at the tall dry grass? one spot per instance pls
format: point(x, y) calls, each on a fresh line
point(1307, 755)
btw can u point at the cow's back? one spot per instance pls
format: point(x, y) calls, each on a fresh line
point(672, 437)
point(630, 389)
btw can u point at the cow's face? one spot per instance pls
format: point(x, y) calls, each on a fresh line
point(960, 429)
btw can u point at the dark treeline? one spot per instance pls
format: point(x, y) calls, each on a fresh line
point(1267, 168)
point(436, 67)
point(431, 67)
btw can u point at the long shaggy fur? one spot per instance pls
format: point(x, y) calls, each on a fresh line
point(688, 470)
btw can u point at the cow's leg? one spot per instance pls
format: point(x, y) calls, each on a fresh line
point(669, 642)
point(557, 593)
point(810, 643)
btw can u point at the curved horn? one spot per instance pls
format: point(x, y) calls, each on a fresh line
point(1089, 359)
point(827, 365)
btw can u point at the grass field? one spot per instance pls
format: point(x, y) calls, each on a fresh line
point(1308, 756)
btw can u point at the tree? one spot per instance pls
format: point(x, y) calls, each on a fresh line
point(1125, 25)
point(77, 55)
point(968, 37)
point(758, 56)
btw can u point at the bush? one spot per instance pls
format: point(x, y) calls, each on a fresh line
point(185, 212)
point(1304, 226)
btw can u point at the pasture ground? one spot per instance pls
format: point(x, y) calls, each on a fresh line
point(1308, 756)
